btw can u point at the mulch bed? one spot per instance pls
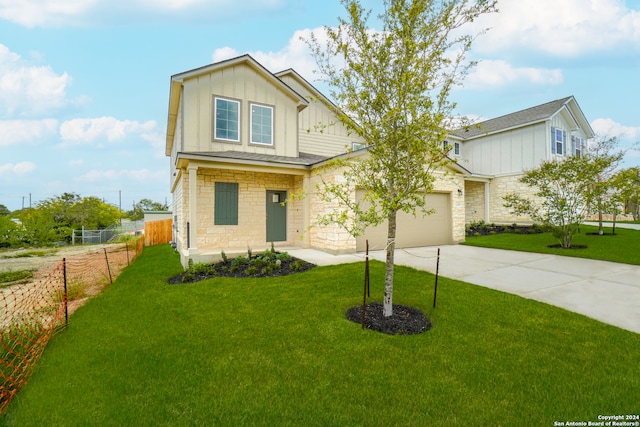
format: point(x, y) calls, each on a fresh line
point(404, 321)
point(224, 269)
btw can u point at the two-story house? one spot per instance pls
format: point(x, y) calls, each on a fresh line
point(499, 151)
point(247, 145)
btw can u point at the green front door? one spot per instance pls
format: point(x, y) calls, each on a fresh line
point(276, 216)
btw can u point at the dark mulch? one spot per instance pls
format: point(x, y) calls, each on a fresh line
point(226, 269)
point(404, 321)
point(559, 246)
point(482, 229)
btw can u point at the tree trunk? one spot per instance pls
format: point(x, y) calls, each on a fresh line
point(388, 277)
point(600, 228)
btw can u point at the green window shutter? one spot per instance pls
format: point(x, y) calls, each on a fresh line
point(226, 203)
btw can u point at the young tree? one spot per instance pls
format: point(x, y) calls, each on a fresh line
point(392, 87)
point(605, 158)
point(626, 184)
point(563, 192)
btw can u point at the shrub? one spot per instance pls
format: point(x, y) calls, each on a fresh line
point(270, 268)
point(283, 257)
point(200, 268)
point(251, 270)
point(297, 265)
point(223, 255)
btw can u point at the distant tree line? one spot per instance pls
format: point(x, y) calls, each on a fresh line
point(53, 220)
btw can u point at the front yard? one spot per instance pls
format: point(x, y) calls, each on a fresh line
point(623, 246)
point(279, 351)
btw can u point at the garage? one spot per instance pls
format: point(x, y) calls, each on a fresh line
point(411, 232)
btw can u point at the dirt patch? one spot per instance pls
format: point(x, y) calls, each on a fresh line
point(12, 259)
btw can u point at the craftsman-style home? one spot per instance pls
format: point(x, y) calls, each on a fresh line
point(242, 141)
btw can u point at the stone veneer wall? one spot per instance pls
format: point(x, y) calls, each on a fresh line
point(474, 201)
point(331, 238)
point(334, 239)
point(251, 229)
point(450, 183)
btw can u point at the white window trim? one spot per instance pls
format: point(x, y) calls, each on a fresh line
point(215, 118)
point(251, 141)
point(560, 141)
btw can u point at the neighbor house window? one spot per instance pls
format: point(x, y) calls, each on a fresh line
point(227, 120)
point(261, 124)
point(226, 203)
point(558, 140)
point(455, 150)
point(578, 144)
point(355, 146)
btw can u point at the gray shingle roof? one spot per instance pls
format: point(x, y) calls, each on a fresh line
point(519, 118)
point(303, 159)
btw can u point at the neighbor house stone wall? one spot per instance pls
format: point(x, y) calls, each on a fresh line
point(474, 199)
point(499, 188)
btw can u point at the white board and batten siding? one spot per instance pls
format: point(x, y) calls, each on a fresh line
point(414, 231)
point(320, 132)
point(507, 152)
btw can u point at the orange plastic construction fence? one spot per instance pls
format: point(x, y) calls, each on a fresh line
point(31, 312)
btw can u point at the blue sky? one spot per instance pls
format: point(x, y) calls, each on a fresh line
point(84, 84)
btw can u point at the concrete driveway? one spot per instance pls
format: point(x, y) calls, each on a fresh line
point(606, 291)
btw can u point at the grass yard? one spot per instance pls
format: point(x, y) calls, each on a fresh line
point(279, 351)
point(624, 246)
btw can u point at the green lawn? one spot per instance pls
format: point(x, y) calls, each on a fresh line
point(279, 351)
point(624, 246)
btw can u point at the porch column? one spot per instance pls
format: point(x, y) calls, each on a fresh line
point(193, 210)
point(487, 202)
point(306, 214)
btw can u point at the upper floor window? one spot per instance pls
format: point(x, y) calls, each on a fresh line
point(261, 124)
point(227, 119)
point(558, 141)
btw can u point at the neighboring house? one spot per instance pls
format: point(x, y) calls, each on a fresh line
point(499, 151)
point(244, 142)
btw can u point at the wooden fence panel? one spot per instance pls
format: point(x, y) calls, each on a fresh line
point(158, 232)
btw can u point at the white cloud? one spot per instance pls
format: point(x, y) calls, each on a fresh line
point(28, 89)
point(295, 54)
point(567, 28)
point(26, 131)
point(87, 131)
point(137, 175)
point(492, 73)
point(54, 13)
point(610, 128)
point(22, 168)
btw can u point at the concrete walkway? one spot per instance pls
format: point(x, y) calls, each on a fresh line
point(606, 291)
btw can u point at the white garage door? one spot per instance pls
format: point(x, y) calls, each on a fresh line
point(411, 232)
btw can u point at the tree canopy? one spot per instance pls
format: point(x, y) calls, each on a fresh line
point(392, 87)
